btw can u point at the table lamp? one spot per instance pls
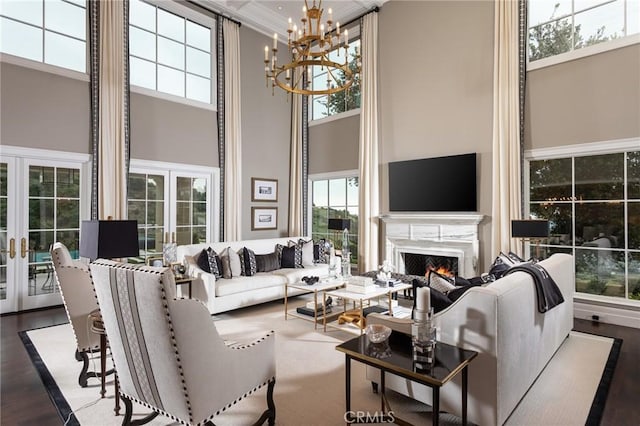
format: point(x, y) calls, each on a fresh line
point(109, 239)
point(532, 230)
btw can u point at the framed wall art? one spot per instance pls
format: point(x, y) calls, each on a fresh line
point(264, 189)
point(263, 218)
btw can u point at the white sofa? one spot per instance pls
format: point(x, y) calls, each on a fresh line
point(514, 341)
point(226, 294)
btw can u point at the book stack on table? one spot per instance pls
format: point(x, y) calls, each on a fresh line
point(359, 284)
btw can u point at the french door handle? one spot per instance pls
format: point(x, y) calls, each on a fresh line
point(23, 248)
point(12, 248)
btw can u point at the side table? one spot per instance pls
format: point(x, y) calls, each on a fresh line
point(97, 326)
point(184, 279)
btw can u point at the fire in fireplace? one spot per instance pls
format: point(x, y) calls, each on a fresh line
point(421, 264)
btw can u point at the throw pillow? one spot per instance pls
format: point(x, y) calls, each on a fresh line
point(226, 267)
point(439, 301)
point(307, 252)
point(455, 294)
point(203, 261)
point(213, 259)
point(440, 282)
point(320, 251)
point(248, 260)
point(288, 257)
point(267, 262)
point(234, 261)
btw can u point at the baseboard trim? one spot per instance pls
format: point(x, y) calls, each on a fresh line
point(607, 314)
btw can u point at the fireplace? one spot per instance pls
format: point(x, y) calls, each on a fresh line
point(452, 236)
point(421, 264)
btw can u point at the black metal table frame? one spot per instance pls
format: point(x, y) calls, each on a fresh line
point(385, 408)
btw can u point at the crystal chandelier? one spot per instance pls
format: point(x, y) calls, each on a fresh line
point(310, 46)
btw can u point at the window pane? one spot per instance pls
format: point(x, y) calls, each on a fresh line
point(41, 213)
point(319, 107)
point(633, 17)
point(600, 272)
point(137, 211)
point(198, 62)
point(586, 4)
point(199, 190)
point(352, 192)
point(198, 235)
point(41, 180)
point(68, 183)
point(170, 81)
point(25, 11)
point(319, 221)
point(142, 43)
point(634, 276)
point(70, 239)
point(170, 25)
point(183, 235)
point(183, 189)
point(142, 15)
point(321, 193)
point(320, 81)
point(155, 213)
point(3, 179)
point(136, 189)
point(337, 192)
point(600, 224)
point(600, 24)
point(550, 39)
point(199, 214)
point(143, 73)
point(183, 213)
point(155, 187)
point(544, 10)
point(68, 214)
point(600, 177)
point(633, 175)
point(633, 210)
point(65, 52)
point(20, 40)
point(198, 88)
point(65, 18)
point(170, 53)
point(560, 221)
point(198, 36)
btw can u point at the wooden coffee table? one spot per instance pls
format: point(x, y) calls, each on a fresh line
point(397, 358)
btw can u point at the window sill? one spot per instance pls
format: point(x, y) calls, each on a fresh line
point(335, 117)
point(584, 52)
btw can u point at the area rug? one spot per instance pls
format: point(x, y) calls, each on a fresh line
point(310, 378)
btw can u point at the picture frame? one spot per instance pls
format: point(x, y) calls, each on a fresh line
point(264, 189)
point(264, 218)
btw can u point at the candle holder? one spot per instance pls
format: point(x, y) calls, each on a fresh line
point(423, 338)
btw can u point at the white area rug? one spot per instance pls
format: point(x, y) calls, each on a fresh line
point(310, 378)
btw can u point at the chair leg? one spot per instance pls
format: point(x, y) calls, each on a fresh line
point(84, 373)
point(129, 412)
point(269, 414)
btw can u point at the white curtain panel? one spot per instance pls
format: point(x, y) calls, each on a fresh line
point(295, 167)
point(233, 134)
point(112, 173)
point(506, 127)
point(368, 153)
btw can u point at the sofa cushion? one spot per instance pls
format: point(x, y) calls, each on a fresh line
point(295, 275)
point(242, 284)
point(440, 282)
point(307, 252)
point(248, 265)
point(234, 261)
point(226, 267)
point(267, 262)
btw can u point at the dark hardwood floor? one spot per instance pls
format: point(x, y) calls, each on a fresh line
point(24, 400)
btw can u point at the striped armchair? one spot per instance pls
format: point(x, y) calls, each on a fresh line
point(167, 352)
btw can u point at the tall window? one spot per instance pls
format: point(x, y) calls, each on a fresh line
point(53, 31)
point(326, 105)
point(560, 26)
point(593, 205)
point(191, 225)
point(336, 198)
point(169, 52)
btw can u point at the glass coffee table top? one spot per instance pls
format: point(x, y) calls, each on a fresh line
point(396, 356)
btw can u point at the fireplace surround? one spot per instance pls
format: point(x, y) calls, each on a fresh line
point(448, 235)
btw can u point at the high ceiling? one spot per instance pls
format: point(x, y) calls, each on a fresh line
point(270, 16)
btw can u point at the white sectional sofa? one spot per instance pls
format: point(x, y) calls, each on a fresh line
point(231, 293)
point(514, 341)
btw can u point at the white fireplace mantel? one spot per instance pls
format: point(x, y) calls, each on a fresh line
point(440, 234)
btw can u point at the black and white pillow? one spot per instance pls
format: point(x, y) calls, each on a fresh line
point(215, 264)
point(203, 261)
point(248, 264)
point(440, 282)
point(291, 257)
point(320, 251)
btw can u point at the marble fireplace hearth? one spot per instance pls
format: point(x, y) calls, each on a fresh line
point(452, 236)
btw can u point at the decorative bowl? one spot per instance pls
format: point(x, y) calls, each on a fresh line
point(377, 333)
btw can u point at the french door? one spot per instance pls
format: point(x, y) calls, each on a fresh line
point(43, 198)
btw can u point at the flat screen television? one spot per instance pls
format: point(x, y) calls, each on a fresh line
point(442, 184)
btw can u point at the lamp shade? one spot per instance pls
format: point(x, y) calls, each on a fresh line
point(339, 224)
point(109, 239)
point(529, 228)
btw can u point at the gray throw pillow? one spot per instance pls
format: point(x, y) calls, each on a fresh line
point(267, 262)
